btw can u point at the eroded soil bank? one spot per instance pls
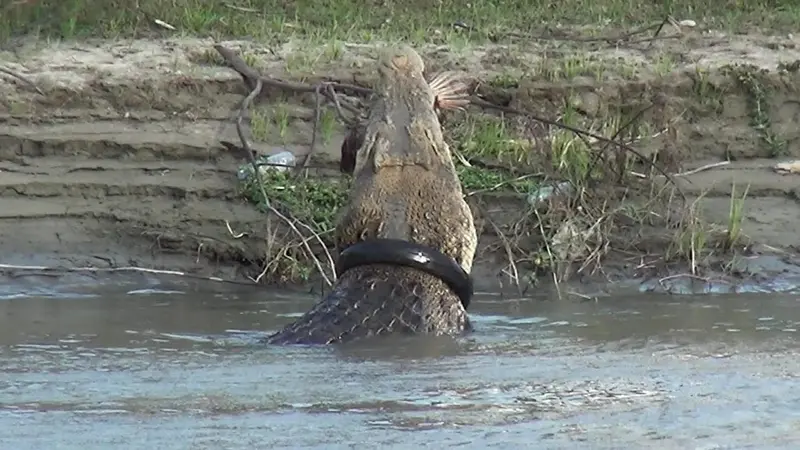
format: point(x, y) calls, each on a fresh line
point(118, 162)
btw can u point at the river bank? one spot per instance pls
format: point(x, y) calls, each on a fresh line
point(117, 160)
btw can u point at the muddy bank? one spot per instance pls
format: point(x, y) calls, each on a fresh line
point(119, 163)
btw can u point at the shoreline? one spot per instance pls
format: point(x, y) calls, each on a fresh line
point(119, 162)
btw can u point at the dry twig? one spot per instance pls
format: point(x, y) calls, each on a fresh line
point(259, 84)
point(325, 89)
point(48, 270)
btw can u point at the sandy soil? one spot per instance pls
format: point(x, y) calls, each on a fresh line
point(119, 162)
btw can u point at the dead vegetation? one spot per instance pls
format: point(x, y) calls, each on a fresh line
point(592, 203)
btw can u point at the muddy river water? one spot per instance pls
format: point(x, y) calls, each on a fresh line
point(153, 364)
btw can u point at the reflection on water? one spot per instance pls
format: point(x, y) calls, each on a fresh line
point(146, 365)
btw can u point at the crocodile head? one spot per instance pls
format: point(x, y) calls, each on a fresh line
point(449, 94)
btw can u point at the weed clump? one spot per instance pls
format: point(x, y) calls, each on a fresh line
point(314, 201)
point(583, 199)
point(310, 204)
point(751, 80)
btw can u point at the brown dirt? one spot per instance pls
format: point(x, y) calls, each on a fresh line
point(119, 163)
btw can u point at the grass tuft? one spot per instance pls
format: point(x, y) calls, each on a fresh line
point(734, 234)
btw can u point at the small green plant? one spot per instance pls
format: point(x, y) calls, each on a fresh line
point(505, 80)
point(478, 179)
point(311, 204)
point(333, 51)
point(749, 77)
point(664, 64)
point(260, 124)
point(299, 63)
point(265, 122)
point(570, 153)
point(571, 156)
point(327, 125)
point(627, 71)
point(690, 242)
point(708, 94)
point(733, 234)
point(573, 66)
point(313, 201)
point(282, 119)
point(489, 137)
point(565, 69)
point(251, 60)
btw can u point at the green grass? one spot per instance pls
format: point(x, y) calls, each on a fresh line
point(364, 20)
point(474, 179)
point(484, 136)
point(314, 201)
point(734, 234)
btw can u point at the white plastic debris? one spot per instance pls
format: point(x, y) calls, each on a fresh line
point(281, 161)
point(788, 167)
point(544, 192)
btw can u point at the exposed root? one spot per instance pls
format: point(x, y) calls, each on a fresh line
point(21, 78)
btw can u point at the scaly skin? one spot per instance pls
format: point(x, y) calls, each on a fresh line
point(406, 187)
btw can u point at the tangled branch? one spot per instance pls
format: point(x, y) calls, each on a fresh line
point(329, 91)
point(256, 84)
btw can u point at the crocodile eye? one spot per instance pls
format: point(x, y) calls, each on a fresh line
point(400, 61)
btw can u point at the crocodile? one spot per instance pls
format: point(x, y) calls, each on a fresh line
point(406, 237)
